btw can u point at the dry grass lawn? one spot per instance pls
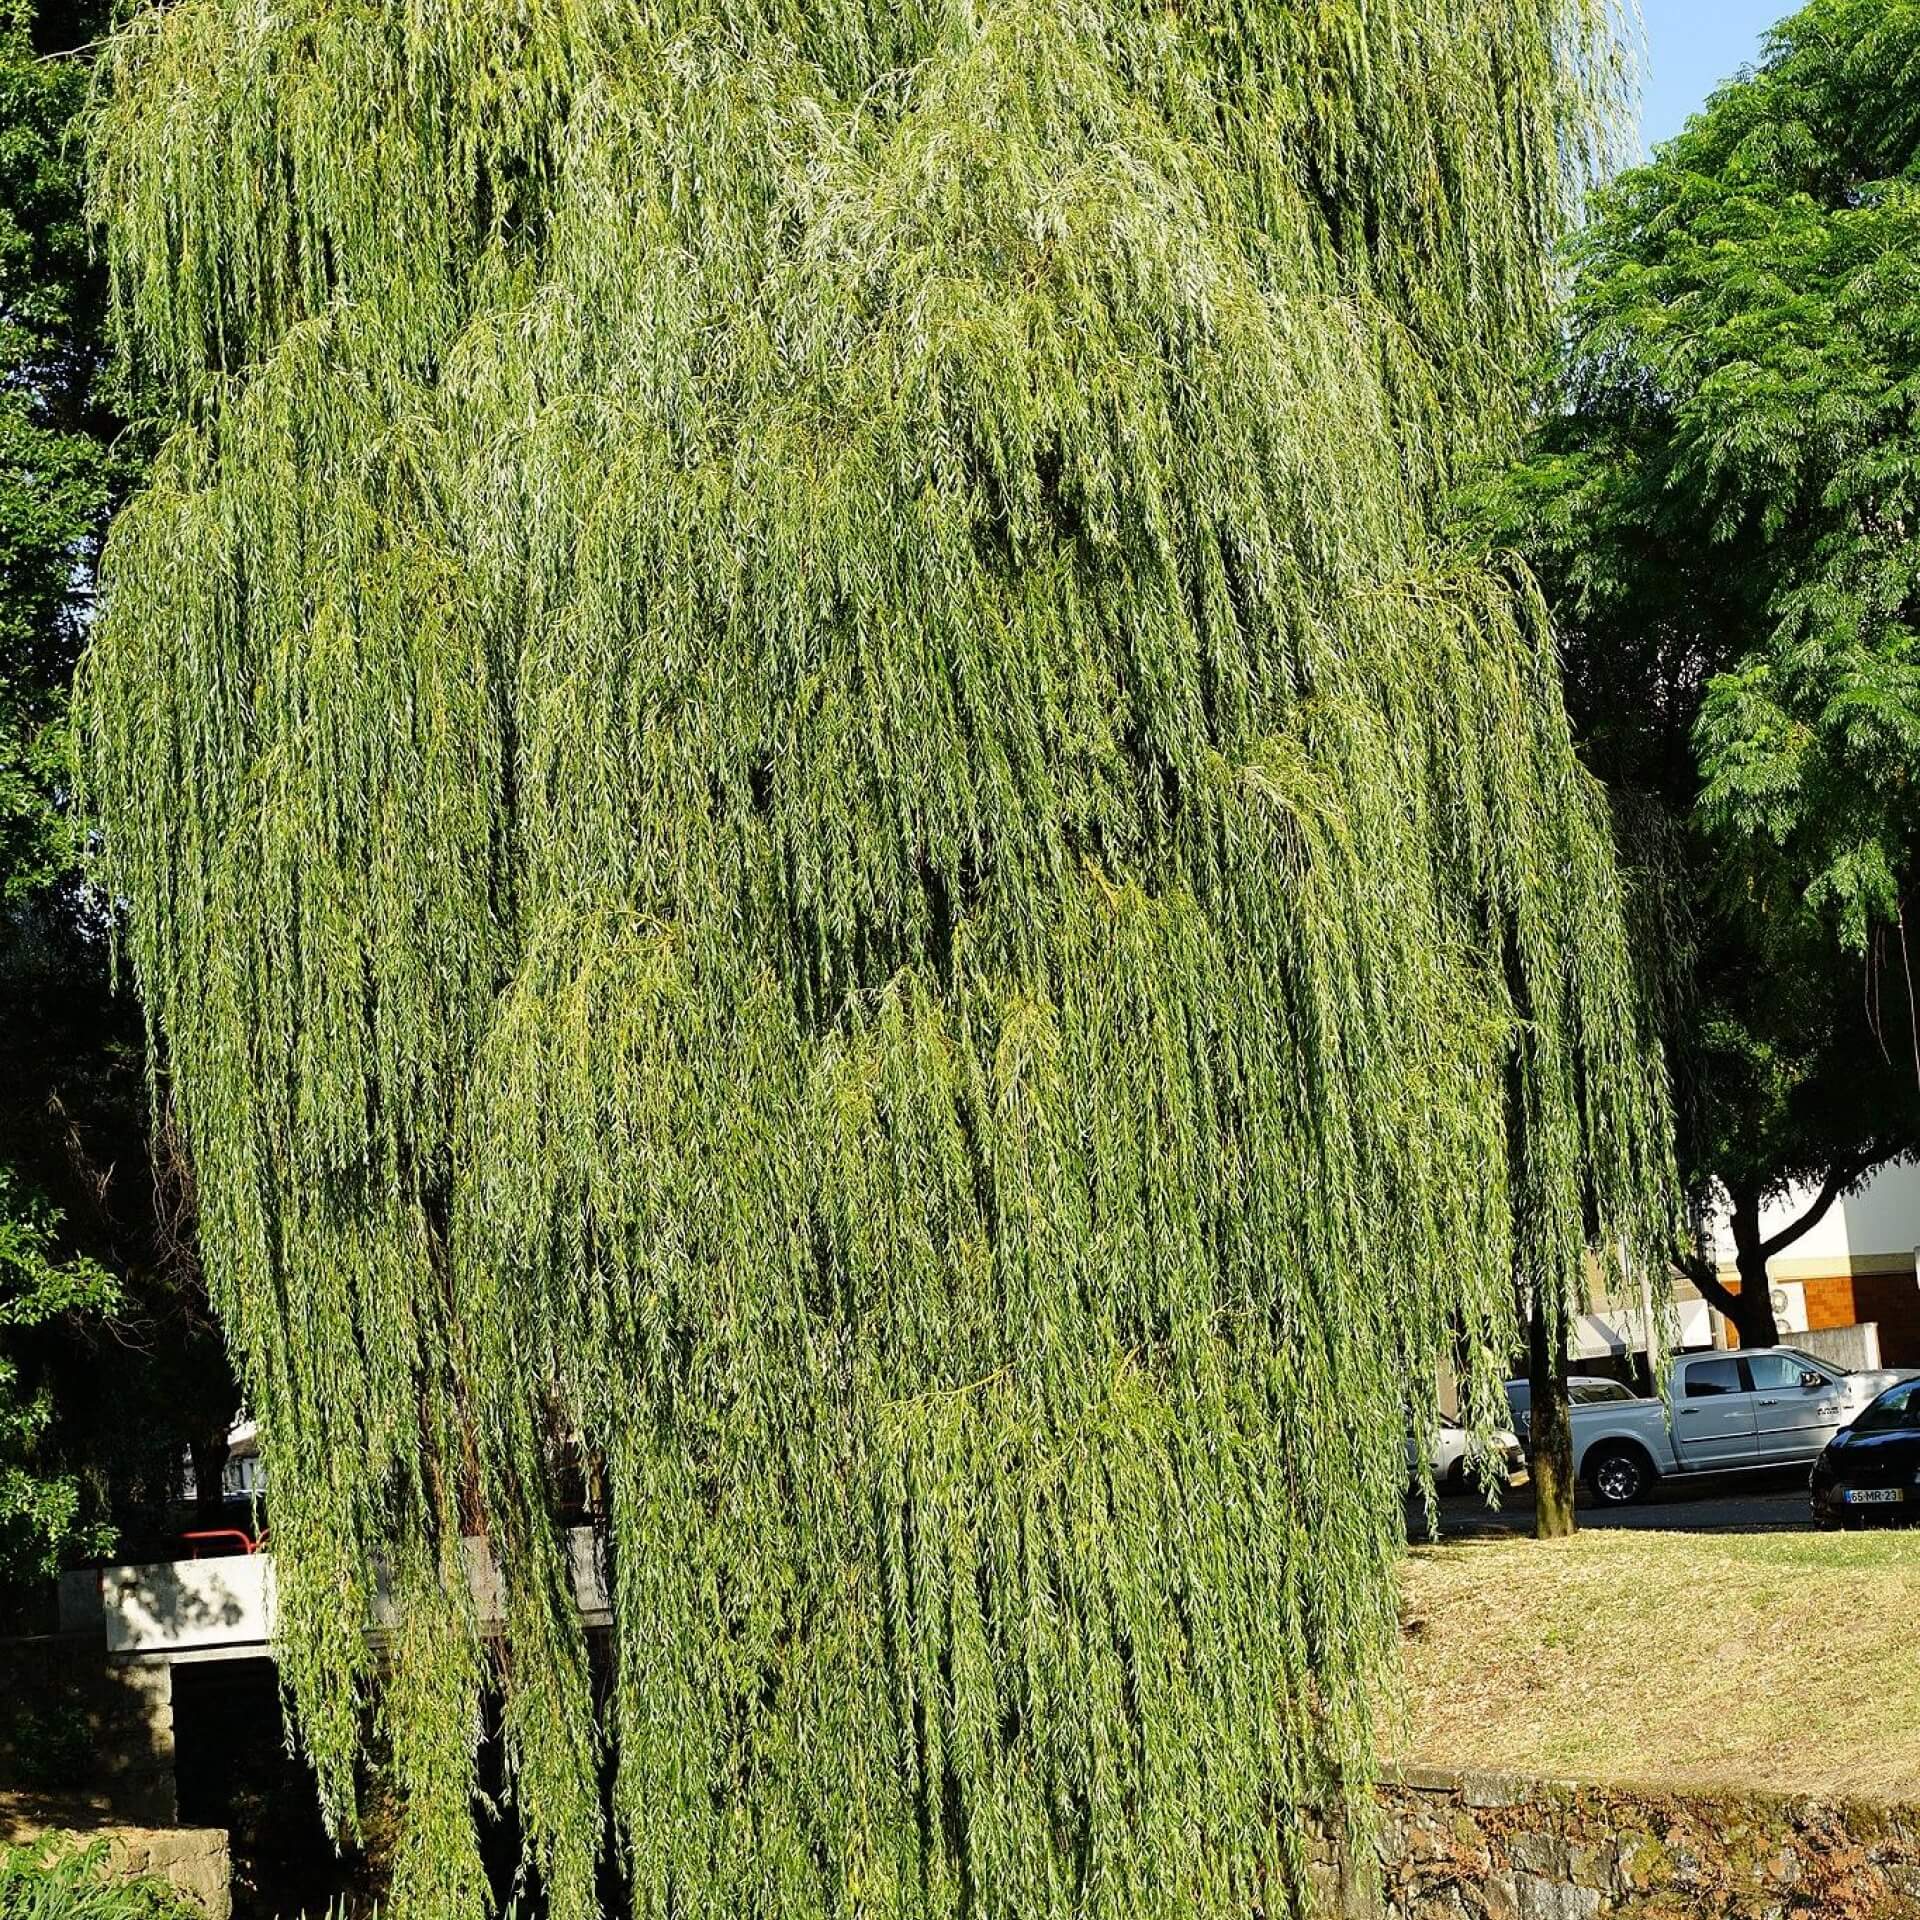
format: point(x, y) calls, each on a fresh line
point(1786, 1661)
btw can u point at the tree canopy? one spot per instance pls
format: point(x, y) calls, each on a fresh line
point(42, 1507)
point(1719, 498)
point(108, 1362)
point(53, 499)
point(56, 465)
point(821, 845)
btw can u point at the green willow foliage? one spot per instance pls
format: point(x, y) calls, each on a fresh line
point(812, 825)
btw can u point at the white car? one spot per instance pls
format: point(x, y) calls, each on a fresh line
point(1451, 1453)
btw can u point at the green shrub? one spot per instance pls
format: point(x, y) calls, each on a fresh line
point(52, 1745)
point(55, 1878)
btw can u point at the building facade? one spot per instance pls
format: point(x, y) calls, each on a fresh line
point(1860, 1265)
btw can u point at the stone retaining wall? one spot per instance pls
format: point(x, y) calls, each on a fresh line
point(193, 1859)
point(1451, 1846)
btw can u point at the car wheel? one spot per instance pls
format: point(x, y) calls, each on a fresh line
point(1619, 1476)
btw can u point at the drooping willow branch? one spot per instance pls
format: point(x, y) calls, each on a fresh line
point(805, 800)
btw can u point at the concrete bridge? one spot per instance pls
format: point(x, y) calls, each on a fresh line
point(129, 1638)
point(223, 1608)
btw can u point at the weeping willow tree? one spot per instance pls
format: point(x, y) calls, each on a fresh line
point(813, 822)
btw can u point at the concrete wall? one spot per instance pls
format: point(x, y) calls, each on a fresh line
point(228, 1605)
point(1854, 1345)
point(1481, 1847)
point(182, 1605)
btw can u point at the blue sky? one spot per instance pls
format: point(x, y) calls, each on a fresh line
point(1693, 45)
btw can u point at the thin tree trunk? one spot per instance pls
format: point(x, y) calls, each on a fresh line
point(209, 1473)
point(1751, 1309)
point(1549, 1430)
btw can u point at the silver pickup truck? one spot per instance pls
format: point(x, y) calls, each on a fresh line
point(1749, 1407)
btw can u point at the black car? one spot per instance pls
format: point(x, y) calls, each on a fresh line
point(1871, 1470)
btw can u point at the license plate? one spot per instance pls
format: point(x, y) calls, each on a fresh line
point(1873, 1496)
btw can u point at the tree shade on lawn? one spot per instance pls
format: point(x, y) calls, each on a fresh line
point(811, 822)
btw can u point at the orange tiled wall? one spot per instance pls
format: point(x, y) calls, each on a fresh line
point(1846, 1299)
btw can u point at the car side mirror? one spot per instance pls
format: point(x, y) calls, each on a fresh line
point(1812, 1381)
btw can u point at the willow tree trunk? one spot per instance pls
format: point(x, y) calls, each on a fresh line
point(1550, 1427)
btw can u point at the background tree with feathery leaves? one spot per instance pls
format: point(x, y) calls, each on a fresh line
point(1720, 499)
point(818, 835)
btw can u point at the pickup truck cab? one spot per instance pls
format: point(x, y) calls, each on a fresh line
point(1749, 1407)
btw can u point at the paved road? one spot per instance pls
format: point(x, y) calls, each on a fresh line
point(1771, 1501)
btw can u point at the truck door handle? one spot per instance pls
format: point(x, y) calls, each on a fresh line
point(1766, 1403)
point(1687, 1413)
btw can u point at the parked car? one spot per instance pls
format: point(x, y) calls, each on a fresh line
point(1750, 1407)
point(1451, 1452)
point(1583, 1390)
point(1871, 1470)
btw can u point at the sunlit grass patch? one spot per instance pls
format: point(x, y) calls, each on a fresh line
point(1765, 1660)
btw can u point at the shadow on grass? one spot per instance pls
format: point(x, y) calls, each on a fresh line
point(1769, 1500)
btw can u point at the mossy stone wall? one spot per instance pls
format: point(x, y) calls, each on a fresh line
point(1472, 1846)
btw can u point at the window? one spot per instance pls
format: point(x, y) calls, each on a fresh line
point(1705, 1378)
point(1814, 1364)
point(1899, 1407)
point(1779, 1372)
point(1591, 1393)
